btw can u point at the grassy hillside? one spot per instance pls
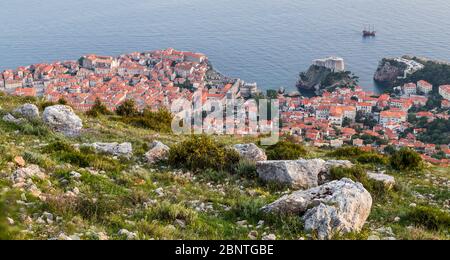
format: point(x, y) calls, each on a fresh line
point(107, 194)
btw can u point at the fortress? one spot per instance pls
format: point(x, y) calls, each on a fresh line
point(335, 64)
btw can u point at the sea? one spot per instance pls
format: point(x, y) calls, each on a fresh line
point(263, 41)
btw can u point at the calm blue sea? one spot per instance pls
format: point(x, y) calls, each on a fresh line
point(268, 41)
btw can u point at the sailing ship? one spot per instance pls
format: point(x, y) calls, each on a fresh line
point(369, 32)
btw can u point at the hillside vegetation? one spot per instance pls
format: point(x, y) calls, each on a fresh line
point(88, 195)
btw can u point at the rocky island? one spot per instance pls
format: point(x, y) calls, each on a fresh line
point(326, 74)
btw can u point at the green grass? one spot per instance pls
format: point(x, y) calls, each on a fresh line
point(121, 194)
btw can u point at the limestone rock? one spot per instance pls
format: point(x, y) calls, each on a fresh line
point(28, 111)
point(115, 149)
point(11, 119)
point(62, 119)
point(251, 152)
point(387, 180)
point(299, 174)
point(158, 152)
point(337, 207)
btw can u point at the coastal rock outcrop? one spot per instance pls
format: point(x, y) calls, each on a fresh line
point(251, 152)
point(319, 78)
point(389, 71)
point(337, 207)
point(158, 152)
point(28, 111)
point(62, 119)
point(298, 174)
point(115, 149)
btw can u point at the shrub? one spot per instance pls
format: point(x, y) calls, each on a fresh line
point(406, 159)
point(127, 109)
point(246, 168)
point(98, 109)
point(39, 159)
point(430, 218)
point(285, 150)
point(200, 153)
point(160, 120)
point(357, 155)
point(358, 174)
point(372, 158)
point(168, 212)
point(57, 146)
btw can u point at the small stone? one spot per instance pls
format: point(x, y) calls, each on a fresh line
point(269, 237)
point(253, 235)
point(10, 221)
point(64, 237)
point(75, 175)
point(129, 235)
point(19, 161)
point(102, 236)
point(413, 205)
point(396, 219)
point(242, 223)
point(160, 192)
point(373, 237)
point(181, 223)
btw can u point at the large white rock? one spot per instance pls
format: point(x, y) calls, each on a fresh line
point(115, 149)
point(158, 152)
point(298, 174)
point(28, 111)
point(387, 180)
point(62, 119)
point(251, 152)
point(337, 207)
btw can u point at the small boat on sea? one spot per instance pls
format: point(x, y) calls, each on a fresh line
point(369, 32)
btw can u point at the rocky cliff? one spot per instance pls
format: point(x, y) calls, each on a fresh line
point(389, 71)
point(319, 78)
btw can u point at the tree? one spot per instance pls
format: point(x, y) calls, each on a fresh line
point(347, 122)
point(406, 159)
point(127, 109)
point(272, 94)
point(390, 150)
point(98, 109)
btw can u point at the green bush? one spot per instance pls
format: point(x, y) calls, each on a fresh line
point(168, 213)
point(357, 155)
point(430, 218)
point(285, 150)
point(160, 121)
point(406, 159)
point(127, 109)
point(200, 153)
point(372, 158)
point(358, 174)
point(98, 109)
point(246, 168)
